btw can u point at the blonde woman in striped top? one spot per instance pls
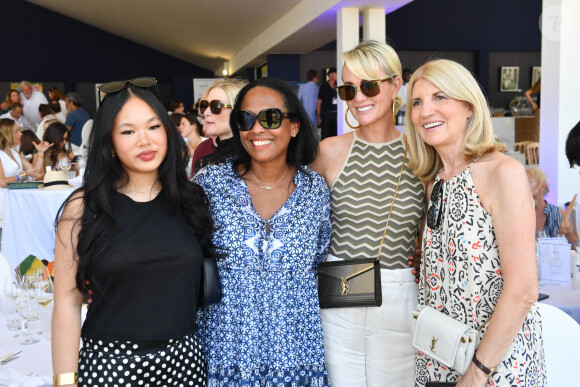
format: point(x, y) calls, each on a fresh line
point(372, 346)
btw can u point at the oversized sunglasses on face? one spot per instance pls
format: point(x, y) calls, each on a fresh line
point(368, 88)
point(116, 86)
point(215, 106)
point(435, 209)
point(268, 118)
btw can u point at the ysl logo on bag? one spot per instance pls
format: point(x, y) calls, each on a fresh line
point(344, 287)
point(433, 342)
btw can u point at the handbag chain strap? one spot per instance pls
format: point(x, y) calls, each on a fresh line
point(425, 284)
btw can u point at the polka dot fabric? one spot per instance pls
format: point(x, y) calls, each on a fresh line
point(180, 362)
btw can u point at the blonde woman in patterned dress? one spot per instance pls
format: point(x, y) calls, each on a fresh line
point(479, 237)
point(371, 346)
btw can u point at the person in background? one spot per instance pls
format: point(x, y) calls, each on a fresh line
point(75, 119)
point(55, 110)
point(27, 141)
point(55, 93)
point(132, 238)
point(30, 101)
point(478, 244)
point(371, 346)
point(176, 106)
point(57, 134)
point(191, 131)
point(216, 111)
point(15, 168)
point(403, 94)
point(326, 107)
point(12, 97)
point(308, 95)
point(535, 90)
point(273, 218)
point(16, 115)
point(573, 146)
point(549, 218)
point(45, 115)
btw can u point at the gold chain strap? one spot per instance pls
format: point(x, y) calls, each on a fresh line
point(424, 257)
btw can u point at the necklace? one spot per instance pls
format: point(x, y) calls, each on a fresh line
point(262, 186)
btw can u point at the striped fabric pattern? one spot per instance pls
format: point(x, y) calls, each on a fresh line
point(361, 198)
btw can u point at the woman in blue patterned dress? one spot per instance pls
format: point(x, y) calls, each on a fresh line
point(273, 225)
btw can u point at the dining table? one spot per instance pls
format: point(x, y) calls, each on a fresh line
point(32, 366)
point(29, 223)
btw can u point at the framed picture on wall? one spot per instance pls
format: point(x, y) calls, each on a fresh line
point(509, 79)
point(536, 74)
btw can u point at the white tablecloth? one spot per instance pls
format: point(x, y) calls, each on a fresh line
point(564, 297)
point(32, 367)
point(28, 225)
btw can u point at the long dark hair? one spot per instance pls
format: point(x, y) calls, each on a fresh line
point(302, 149)
point(54, 134)
point(102, 176)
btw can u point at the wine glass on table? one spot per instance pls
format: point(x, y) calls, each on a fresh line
point(28, 309)
point(64, 164)
point(44, 297)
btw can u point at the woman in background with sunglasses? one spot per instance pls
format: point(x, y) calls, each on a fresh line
point(479, 241)
point(372, 345)
point(216, 110)
point(131, 240)
point(273, 219)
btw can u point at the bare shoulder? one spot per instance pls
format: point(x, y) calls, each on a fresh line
point(331, 154)
point(74, 207)
point(498, 179)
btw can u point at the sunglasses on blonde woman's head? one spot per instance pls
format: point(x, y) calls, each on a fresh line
point(215, 106)
point(116, 86)
point(369, 88)
point(268, 118)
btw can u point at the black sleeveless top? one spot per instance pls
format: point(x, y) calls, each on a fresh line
point(145, 287)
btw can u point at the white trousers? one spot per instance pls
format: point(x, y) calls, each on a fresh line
point(372, 346)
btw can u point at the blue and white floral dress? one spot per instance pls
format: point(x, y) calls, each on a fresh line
point(267, 330)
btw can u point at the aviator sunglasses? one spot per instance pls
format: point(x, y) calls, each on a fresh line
point(215, 106)
point(369, 88)
point(269, 119)
point(116, 86)
point(435, 209)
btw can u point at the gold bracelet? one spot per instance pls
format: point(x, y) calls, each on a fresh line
point(38, 154)
point(22, 175)
point(64, 379)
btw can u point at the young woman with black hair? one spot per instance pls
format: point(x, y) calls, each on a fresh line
point(274, 228)
point(131, 239)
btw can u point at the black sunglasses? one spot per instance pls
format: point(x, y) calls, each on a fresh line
point(215, 106)
point(368, 88)
point(435, 209)
point(116, 86)
point(269, 119)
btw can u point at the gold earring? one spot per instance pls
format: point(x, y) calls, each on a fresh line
point(113, 154)
point(394, 116)
point(346, 120)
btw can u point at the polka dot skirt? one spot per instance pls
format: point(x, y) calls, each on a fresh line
point(177, 362)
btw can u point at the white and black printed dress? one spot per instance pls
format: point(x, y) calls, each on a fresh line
point(465, 281)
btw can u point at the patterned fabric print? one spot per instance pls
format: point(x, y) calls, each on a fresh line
point(266, 331)
point(361, 199)
point(465, 281)
point(553, 220)
point(178, 362)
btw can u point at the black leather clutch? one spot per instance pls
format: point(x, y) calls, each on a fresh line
point(349, 283)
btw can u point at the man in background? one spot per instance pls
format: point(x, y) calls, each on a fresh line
point(326, 109)
point(15, 114)
point(308, 95)
point(31, 100)
point(75, 120)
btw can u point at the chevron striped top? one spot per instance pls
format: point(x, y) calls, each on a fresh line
point(361, 198)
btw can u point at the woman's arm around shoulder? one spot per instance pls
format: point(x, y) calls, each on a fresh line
point(66, 316)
